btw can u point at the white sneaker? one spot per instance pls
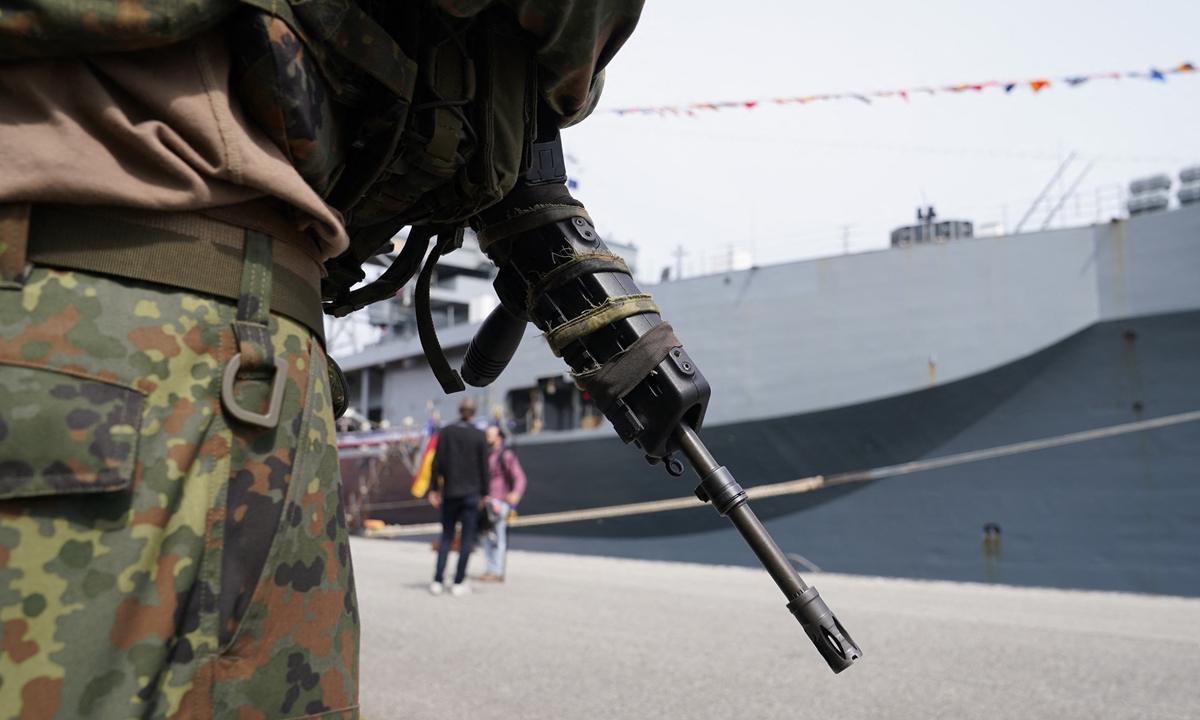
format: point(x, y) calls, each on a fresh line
point(435, 588)
point(460, 589)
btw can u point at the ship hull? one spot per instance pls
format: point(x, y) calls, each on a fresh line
point(872, 360)
point(1115, 513)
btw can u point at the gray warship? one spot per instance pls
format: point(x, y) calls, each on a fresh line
point(1017, 408)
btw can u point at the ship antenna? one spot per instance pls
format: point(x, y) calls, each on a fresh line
point(1062, 201)
point(1045, 190)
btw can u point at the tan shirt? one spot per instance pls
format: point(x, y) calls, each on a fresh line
point(154, 129)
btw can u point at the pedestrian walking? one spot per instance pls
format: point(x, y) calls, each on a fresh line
point(460, 469)
point(506, 485)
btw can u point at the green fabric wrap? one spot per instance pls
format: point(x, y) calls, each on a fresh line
point(578, 266)
point(607, 313)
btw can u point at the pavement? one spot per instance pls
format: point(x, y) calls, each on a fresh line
point(589, 637)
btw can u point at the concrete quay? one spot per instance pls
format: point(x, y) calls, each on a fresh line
point(589, 637)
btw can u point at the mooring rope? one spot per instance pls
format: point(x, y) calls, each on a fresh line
point(803, 485)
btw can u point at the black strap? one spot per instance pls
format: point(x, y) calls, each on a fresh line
point(524, 209)
point(386, 285)
point(448, 239)
point(629, 367)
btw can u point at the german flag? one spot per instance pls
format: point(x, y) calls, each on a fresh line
point(421, 482)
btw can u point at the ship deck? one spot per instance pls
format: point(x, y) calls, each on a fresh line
point(583, 637)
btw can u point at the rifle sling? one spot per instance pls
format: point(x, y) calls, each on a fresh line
point(448, 377)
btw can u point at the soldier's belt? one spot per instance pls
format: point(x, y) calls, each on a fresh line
point(185, 250)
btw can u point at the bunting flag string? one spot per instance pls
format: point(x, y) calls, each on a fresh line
point(1036, 85)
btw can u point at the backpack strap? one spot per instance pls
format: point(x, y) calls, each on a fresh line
point(506, 452)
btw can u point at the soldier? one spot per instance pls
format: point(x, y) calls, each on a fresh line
point(173, 176)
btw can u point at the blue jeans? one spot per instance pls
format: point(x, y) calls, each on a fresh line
point(454, 511)
point(495, 543)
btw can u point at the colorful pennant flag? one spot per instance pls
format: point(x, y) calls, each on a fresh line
point(1036, 86)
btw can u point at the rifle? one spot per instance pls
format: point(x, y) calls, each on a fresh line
point(560, 275)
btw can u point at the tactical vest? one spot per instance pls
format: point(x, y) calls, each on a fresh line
point(429, 131)
point(397, 112)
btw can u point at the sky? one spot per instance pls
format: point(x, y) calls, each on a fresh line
point(800, 181)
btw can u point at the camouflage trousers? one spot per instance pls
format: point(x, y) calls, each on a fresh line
point(158, 559)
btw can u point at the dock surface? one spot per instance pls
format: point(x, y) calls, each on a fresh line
point(589, 637)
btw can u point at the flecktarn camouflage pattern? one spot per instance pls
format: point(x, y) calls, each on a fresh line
point(577, 40)
point(156, 559)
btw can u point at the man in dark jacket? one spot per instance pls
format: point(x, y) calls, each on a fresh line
point(460, 463)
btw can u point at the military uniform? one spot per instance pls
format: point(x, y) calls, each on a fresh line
point(166, 550)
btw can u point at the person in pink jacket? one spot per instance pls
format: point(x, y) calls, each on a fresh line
point(505, 488)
